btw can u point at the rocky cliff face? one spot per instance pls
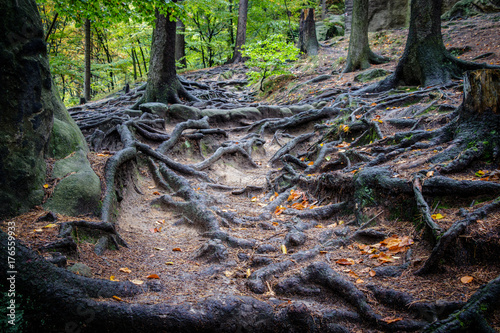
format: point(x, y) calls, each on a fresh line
point(388, 14)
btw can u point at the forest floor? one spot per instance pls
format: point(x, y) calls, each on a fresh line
point(163, 246)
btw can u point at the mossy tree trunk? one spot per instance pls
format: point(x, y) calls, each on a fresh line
point(360, 56)
point(308, 42)
point(163, 85)
point(425, 60)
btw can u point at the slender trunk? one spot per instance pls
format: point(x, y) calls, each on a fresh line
point(52, 25)
point(289, 14)
point(231, 24)
point(86, 84)
point(308, 43)
point(132, 55)
point(180, 44)
point(143, 57)
point(241, 32)
point(323, 9)
point(359, 49)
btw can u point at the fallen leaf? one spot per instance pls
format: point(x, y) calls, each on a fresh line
point(254, 199)
point(137, 282)
point(112, 278)
point(283, 249)
point(117, 298)
point(391, 320)
point(38, 230)
point(153, 276)
point(358, 116)
point(177, 249)
point(169, 263)
point(480, 173)
point(52, 225)
point(437, 216)
point(46, 186)
point(249, 272)
point(353, 274)
point(228, 274)
point(280, 209)
point(345, 262)
point(430, 174)
point(319, 226)
point(359, 281)
point(323, 252)
point(310, 163)
point(373, 104)
point(372, 273)
point(156, 193)
point(125, 270)
point(159, 249)
point(466, 279)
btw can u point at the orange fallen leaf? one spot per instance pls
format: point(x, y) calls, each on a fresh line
point(310, 163)
point(279, 210)
point(373, 104)
point(391, 320)
point(156, 193)
point(359, 281)
point(466, 279)
point(345, 262)
point(177, 249)
point(372, 273)
point(254, 199)
point(117, 298)
point(153, 276)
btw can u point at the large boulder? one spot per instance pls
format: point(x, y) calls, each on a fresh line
point(332, 26)
point(26, 110)
point(183, 112)
point(79, 190)
point(234, 115)
point(159, 109)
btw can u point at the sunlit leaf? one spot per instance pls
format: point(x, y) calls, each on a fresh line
point(480, 173)
point(52, 225)
point(169, 263)
point(283, 249)
point(466, 279)
point(117, 298)
point(137, 282)
point(359, 281)
point(112, 278)
point(345, 262)
point(310, 163)
point(46, 186)
point(254, 199)
point(248, 273)
point(125, 270)
point(153, 276)
point(391, 320)
point(437, 216)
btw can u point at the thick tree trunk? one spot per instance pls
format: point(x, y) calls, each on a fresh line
point(360, 56)
point(87, 75)
point(26, 113)
point(425, 60)
point(180, 44)
point(241, 32)
point(163, 84)
point(308, 43)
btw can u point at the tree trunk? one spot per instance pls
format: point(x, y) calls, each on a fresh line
point(88, 46)
point(180, 44)
point(308, 43)
point(323, 9)
point(241, 32)
point(426, 61)
point(163, 85)
point(360, 56)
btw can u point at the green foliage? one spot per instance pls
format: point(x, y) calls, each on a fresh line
point(269, 57)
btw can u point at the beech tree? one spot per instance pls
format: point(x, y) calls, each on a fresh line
point(241, 32)
point(425, 60)
point(360, 56)
point(163, 84)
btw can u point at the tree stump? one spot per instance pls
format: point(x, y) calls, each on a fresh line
point(481, 95)
point(308, 43)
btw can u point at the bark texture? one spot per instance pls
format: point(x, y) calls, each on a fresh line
point(360, 56)
point(241, 32)
point(163, 85)
point(308, 43)
point(88, 46)
point(180, 44)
